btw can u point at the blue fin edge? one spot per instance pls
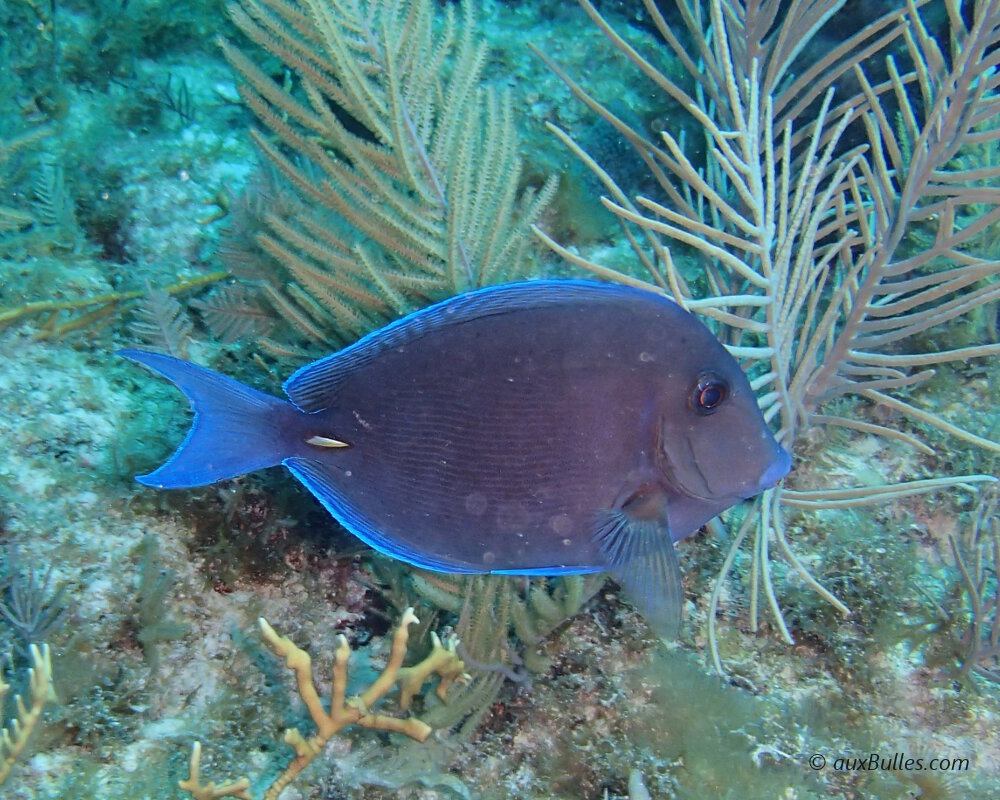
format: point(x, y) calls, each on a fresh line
point(233, 431)
point(317, 478)
point(550, 571)
point(312, 387)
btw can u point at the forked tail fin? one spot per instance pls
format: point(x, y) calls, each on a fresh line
point(236, 429)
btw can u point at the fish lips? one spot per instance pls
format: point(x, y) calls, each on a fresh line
point(778, 469)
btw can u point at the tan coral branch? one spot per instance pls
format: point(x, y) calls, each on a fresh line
point(443, 661)
point(210, 791)
point(14, 737)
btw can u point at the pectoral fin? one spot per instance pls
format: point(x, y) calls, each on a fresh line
point(640, 555)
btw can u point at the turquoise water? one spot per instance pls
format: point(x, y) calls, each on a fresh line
point(140, 209)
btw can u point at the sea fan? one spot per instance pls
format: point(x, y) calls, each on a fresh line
point(159, 320)
point(395, 165)
point(235, 311)
point(825, 257)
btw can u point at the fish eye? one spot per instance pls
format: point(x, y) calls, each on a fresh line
point(709, 393)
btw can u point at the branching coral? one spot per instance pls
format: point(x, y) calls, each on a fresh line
point(442, 661)
point(26, 606)
point(500, 620)
point(15, 735)
point(62, 317)
point(977, 557)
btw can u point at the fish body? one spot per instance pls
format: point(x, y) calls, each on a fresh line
point(548, 427)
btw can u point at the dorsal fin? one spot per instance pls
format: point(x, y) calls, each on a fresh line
point(314, 386)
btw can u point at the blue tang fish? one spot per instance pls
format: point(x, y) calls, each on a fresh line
point(536, 428)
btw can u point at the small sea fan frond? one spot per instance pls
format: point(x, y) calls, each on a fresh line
point(160, 321)
point(235, 312)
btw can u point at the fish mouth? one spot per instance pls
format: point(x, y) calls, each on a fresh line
point(696, 483)
point(778, 469)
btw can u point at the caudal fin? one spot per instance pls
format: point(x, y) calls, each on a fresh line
point(236, 429)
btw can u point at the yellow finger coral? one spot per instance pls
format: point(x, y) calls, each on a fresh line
point(442, 661)
point(14, 736)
